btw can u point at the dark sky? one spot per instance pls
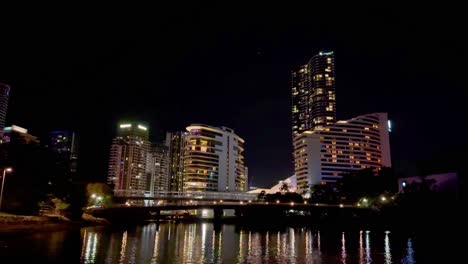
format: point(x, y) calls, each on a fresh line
point(230, 65)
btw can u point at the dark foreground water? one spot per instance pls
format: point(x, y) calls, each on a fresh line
point(206, 243)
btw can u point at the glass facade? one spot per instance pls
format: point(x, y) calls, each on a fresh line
point(313, 94)
point(130, 158)
point(4, 95)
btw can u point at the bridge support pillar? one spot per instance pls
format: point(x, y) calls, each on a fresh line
point(238, 212)
point(217, 213)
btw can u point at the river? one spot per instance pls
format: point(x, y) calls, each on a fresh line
point(206, 243)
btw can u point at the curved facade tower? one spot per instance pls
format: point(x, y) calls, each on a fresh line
point(4, 95)
point(313, 94)
point(214, 160)
point(325, 154)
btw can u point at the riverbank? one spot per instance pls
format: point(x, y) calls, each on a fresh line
point(25, 224)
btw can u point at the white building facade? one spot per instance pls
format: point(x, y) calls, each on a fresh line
point(214, 160)
point(325, 154)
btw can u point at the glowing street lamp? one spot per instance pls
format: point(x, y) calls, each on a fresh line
point(5, 170)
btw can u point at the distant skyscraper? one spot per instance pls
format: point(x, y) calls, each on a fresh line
point(176, 142)
point(4, 95)
point(325, 154)
point(130, 159)
point(313, 94)
point(65, 144)
point(18, 135)
point(159, 168)
point(214, 160)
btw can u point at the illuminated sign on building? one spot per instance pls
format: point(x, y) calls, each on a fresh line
point(125, 125)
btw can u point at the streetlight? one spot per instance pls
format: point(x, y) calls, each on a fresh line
point(5, 170)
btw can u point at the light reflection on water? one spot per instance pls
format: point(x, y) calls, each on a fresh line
point(203, 243)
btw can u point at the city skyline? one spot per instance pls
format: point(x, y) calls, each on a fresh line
point(237, 75)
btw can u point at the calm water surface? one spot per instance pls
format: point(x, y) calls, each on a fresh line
point(205, 243)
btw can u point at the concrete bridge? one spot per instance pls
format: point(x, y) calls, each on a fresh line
point(175, 196)
point(125, 213)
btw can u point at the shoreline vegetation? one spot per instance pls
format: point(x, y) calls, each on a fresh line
point(25, 224)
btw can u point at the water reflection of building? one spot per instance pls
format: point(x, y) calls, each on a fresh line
point(89, 247)
point(203, 243)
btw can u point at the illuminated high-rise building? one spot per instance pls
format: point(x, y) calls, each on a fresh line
point(18, 135)
point(130, 159)
point(175, 141)
point(214, 160)
point(159, 181)
point(4, 95)
point(325, 154)
point(313, 94)
point(65, 145)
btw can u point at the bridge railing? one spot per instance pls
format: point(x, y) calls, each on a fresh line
point(238, 196)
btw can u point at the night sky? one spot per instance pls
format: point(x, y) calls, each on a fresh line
point(230, 65)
